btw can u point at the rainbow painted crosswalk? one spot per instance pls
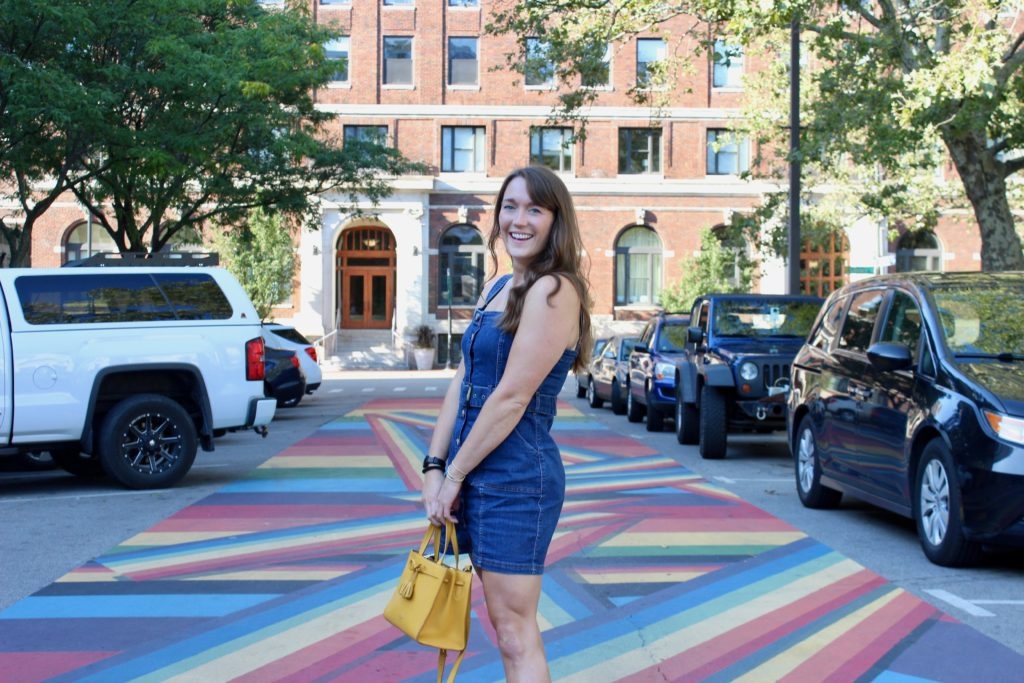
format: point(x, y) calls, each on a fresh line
point(654, 575)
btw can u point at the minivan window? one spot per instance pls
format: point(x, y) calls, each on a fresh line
point(120, 297)
point(828, 328)
point(860, 320)
point(903, 323)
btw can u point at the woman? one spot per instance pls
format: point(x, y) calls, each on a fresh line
point(492, 464)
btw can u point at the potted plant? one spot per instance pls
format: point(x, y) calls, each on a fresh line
point(423, 347)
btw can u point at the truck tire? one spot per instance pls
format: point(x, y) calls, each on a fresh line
point(147, 442)
point(655, 420)
point(687, 422)
point(713, 423)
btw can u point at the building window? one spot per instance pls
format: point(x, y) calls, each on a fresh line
point(461, 263)
point(639, 150)
point(552, 147)
point(728, 68)
point(462, 61)
point(918, 250)
point(86, 240)
point(823, 265)
point(727, 155)
point(337, 52)
point(596, 71)
point(373, 134)
point(638, 267)
point(398, 3)
point(463, 3)
point(538, 71)
point(397, 61)
point(462, 149)
point(650, 53)
point(335, 2)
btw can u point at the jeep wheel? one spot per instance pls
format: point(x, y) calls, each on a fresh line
point(938, 512)
point(618, 403)
point(687, 422)
point(808, 472)
point(147, 442)
point(655, 419)
point(712, 423)
point(634, 411)
point(592, 398)
point(79, 464)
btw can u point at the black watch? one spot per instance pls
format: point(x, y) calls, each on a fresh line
point(432, 463)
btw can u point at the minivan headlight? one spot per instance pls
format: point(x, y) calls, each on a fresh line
point(1006, 427)
point(748, 371)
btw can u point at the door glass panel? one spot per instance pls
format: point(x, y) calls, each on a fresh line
point(356, 304)
point(378, 305)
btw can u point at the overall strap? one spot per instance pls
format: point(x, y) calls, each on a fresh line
point(502, 281)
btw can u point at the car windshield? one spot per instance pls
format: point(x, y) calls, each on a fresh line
point(673, 337)
point(763, 318)
point(983, 319)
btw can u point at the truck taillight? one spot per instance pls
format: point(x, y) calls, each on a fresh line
point(311, 352)
point(255, 369)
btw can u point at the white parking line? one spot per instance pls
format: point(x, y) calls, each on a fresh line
point(969, 606)
point(399, 389)
point(368, 390)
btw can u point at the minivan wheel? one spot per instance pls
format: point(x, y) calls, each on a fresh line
point(147, 442)
point(938, 511)
point(634, 411)
point(618, 402)
point(808, 472)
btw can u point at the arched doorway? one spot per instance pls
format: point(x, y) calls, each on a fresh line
point(365, 266)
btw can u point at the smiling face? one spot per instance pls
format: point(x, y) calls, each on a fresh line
point(525, 226)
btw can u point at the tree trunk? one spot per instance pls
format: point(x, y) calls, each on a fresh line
point(984, 182)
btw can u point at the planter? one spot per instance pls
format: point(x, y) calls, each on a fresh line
point(424, 358)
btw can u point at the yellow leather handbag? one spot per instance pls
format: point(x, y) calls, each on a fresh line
point(432, 600)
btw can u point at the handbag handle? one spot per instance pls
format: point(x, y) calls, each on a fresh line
point(451, 541)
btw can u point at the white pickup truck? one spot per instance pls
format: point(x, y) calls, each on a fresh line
point(127, 370)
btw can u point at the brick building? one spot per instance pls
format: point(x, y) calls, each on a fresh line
point(424, 74)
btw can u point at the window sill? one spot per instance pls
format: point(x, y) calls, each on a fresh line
point(398, 86)
point(544, 87)
point(474, 87)
point(339, 85)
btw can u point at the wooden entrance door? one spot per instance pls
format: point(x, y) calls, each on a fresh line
point(366, 278)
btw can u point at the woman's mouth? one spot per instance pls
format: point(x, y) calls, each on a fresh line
point(520, 236)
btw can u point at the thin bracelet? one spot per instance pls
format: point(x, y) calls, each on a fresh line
point(455, 474)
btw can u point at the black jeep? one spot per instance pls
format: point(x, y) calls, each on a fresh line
point(734, 372)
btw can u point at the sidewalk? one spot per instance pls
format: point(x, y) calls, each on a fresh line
point(654, 575)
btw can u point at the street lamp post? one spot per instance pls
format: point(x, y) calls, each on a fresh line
point(793, 284)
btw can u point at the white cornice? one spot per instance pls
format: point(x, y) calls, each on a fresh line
point(506, 112)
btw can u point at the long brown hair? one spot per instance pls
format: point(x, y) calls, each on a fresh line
point(563, 255)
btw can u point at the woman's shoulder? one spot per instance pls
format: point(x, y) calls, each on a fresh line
point(554, 284)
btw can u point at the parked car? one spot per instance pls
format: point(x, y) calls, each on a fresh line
point(609, 374)
point(909, 394)
point(583, 375)
point(284, 337)
point(284, 379)
point(652, 369)
point(734, 371)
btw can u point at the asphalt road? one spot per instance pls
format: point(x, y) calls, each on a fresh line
point(54, 522)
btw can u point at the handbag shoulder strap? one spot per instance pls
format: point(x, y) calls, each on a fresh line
point(442, 657)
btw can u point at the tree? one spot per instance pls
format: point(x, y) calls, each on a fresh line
point(194, 112)
point(885, 83)
point(714, 269)
point(262, 256)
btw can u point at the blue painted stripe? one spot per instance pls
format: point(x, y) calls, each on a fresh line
point(121, 606)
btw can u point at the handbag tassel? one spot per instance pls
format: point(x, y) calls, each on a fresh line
point(405, 590)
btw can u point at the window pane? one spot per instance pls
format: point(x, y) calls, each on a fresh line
point(649, 51)
point(462, 149)
point(463, 3)
point(337, 52)
point(726, 154)
point(639, 150)
point(552, 147)
point(597, 70)
point(538, 70)
point(728, 67)
point(398, 61)
point(373, 134)
point(462, 61)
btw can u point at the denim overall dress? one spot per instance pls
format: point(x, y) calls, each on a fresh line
point(511, 501)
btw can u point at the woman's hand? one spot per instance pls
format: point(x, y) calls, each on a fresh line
point(432, 482)
point(447, 501)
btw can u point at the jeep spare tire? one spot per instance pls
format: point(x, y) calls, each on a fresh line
point(148, 442)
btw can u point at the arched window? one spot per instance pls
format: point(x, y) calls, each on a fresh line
point(638, 272)
point(918, 250)
point(460, 266)
point(84, 240)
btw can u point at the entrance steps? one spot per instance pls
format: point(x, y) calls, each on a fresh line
point(364, 350)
